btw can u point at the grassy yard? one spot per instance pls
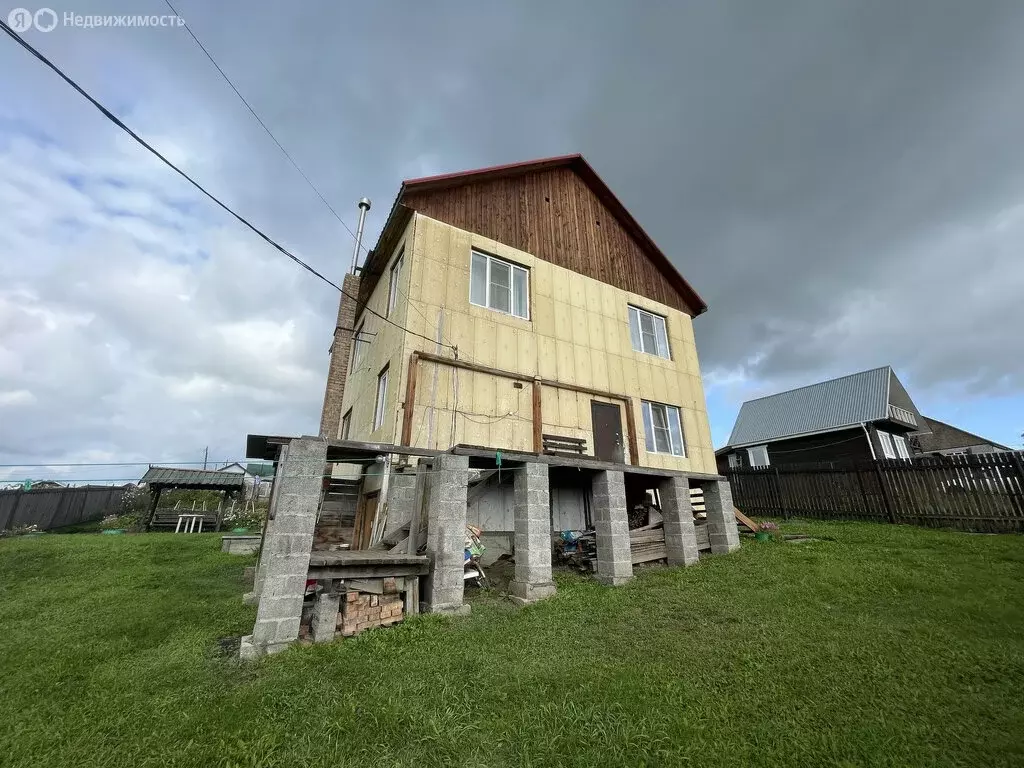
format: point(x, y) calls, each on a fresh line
point(881, 646)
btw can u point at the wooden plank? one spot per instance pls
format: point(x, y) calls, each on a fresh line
point(634, 453)
point(560, 438)
point(746, 520)
point(358, 571)
point(538, 424)
point(647, 537)
point(418, 506)
point(647, 555)
point(409, 404)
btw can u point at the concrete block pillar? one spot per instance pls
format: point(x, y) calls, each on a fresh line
point(611, 525)
point(532, 511)
point(446, 534)
point(284, 563)
point(680, 534)
point(401, 499)
point(325, 615)
point(722, 530)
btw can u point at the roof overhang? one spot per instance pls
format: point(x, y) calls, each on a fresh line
point(751, 444)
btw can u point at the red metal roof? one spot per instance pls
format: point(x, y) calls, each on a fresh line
point(589, 176)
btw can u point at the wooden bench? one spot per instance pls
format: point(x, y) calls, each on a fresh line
point(167, 520)
point(556, 444)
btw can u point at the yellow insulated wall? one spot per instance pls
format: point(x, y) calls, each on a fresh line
point(577, 334)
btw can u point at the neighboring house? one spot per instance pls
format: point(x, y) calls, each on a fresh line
point(861, 416)
point(947, 440)
point(257, 478)
point(569, 323)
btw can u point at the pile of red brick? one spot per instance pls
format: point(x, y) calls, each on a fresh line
point(361, 611)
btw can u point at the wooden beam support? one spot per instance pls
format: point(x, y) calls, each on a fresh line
point(409, 405)
point(634, 458)
point(538, 426)
point(634, 452)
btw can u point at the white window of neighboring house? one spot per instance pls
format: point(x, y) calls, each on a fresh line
point(396, 276)
point(360, 343)
point(663, 432)
point(758, 456)
point(647, 332)
point(734, 460)
point(382, 396)
point(499, 285)
point(886, 440)
point(901, 446)
point(346, 424)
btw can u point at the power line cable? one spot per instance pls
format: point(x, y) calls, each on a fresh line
point(259, 120)
point(285, 152)
point(118, 122)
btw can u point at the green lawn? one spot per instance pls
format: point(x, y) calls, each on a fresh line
point(881, 646)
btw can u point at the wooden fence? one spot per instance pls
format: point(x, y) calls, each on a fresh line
point(983, 492)
point(58, 507)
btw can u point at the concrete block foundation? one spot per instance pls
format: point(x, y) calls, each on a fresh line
point(532, 512)
point(446, 534)
point(284, 563)
point(611, 526)
point(680, 532)
point(722, 530)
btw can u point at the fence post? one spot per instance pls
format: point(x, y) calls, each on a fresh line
point(890, 511)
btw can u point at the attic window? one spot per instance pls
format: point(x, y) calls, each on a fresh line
point(758, 456)
point(648, 333)
point(885, 439)
point(901, 446)
point(499, 285)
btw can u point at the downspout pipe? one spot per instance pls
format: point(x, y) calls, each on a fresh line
point(871, 447)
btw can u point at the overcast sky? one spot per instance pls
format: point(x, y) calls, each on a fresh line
point(843, 183)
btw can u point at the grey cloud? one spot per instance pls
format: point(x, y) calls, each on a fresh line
point(837, 179)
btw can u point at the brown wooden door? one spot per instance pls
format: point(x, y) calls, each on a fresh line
point(607, 431)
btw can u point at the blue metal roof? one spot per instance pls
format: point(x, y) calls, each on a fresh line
point(843, 402)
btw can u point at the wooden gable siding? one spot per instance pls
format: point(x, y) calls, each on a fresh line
point(556, 217)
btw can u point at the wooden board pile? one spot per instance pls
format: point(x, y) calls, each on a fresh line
point(647, 543)
point(360, 611)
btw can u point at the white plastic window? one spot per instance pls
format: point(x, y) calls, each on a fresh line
point(647, 332)
point(499, 285)
point(663, 432)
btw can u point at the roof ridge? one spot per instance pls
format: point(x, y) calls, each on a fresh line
point(817, 384)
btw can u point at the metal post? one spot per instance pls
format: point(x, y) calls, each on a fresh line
point(364, 206)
